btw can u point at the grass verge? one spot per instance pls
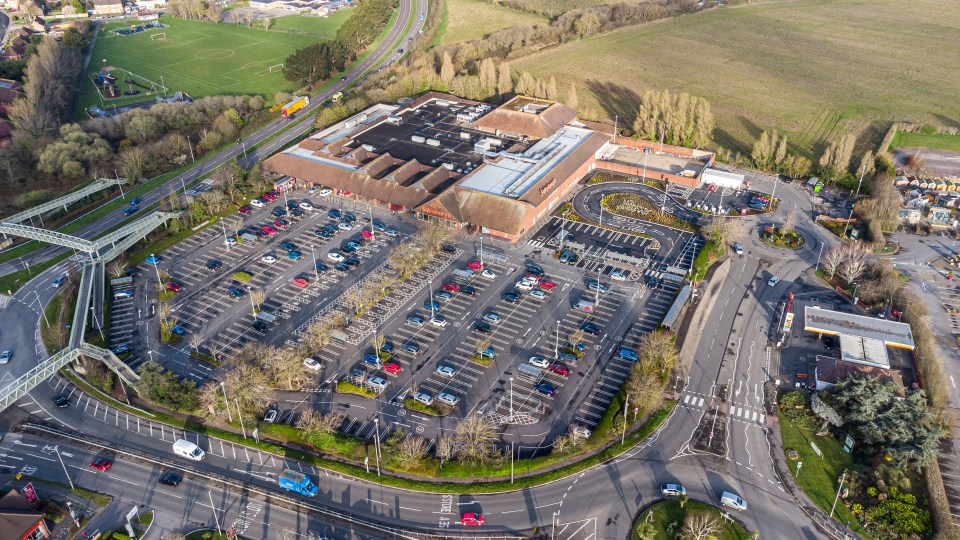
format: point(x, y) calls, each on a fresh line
point(48, 332)
point(346, 387)
point(936, 141)
point(667, 520)
point(415, 405)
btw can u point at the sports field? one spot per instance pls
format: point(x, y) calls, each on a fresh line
point(472, 19)
point(197, 57)
point(324, 27)
point(811, 69)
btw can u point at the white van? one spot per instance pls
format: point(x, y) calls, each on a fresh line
point(733, 501)
point(188, 450)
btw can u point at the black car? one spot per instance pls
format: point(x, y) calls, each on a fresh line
point(170, 479)
point(347, 248)
point(352, 261)
point(349, 218)
point(61, 401)
point(482, 327)
point(342, 267)
point(829, 342)
point(292, 205)
point(468, 290)
point(133, 271)
point(334, 214)
point(261, 326)
point(297, 213)
point(214, 264)
point(130, 210)
point(322, 233)
point(535, 270)
point(450, 248)
point(590, 328)
point(574, 259)
point(236, 292)
point(321, 267)
point(279, 212)
point(511, 296)
point(288, 245)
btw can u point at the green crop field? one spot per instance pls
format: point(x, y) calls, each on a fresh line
point(198, 57)
point(810, 68)
point(922, 140)
point(471, 19)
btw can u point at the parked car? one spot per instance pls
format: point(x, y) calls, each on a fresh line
point(489, 274)
point(672, 490)
point(244, 210)
point(312, 364)
point(171, 286)
point(301, 282)
point(236, 293)
point(411, 347)
point(482, 327)
point(122, 348)
point(539, 361)
point(492, 317)
point(545, 388)
point(268, 258)
point(475, 265)
point(451, 286)
point(773, 280)
point(178, 330)
point(590, 328)
point(596, 286)
point(445, 371)
point(439, 321)
point(617, 276)
point(335, 257)
point(538, 294)
point(334, 214)
point(627, 354)
point(393, 368)
point(415, 320)
point(61, 401)
point(560, 369)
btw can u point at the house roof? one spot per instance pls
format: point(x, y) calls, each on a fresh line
point(527, 116)
point(492, 211)
point(107, 3)
point(9, 95)
point(15, 517)
point(833, 370)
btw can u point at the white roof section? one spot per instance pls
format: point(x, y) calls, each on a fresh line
point(511, 175)
point(864, 351)
point(722, 178)
point(835, 323)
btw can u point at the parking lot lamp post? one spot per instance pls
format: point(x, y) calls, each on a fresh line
point(553, 525)
point(224, 227)
point(316, 273)
point(376, 427)
point(226, 401)
point(156, 268)
point(839, 489)
point(773, 191)
point(556, 342)
point(253, 306)
point(601, 212)
point(370, 209)
point(190, 146)
point(214, 508)
point(511, 397)
point(626, 405)
point(240, 416)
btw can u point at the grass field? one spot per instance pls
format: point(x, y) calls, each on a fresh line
point(473, 19)
point(200, 58)
point(921, 140)
point(669, 512)
point(324, 27)
point(811, 69)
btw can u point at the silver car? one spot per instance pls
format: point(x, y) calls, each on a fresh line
point(5, 357)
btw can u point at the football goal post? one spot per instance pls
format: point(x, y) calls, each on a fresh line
point(159, 36)
point(276, 67)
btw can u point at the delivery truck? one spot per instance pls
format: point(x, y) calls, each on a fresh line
point(295, 105)
point(297, 482)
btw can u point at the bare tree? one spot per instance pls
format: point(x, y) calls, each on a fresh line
point(214, 12)
point(475, 436)
point(852, 269)
point(445, 448)
point(832, 260)
point(657, 351)
point(576, 338)
point(164, 310)
point(195, 340)
point(561, 442)
point(266, 23)
point(699, 525)
point(412, 450)
point(482, 343)
point(258, 296)
point(789, 222)
point(724, 230)
point(117, 267)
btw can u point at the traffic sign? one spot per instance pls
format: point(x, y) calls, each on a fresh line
point(28, 492)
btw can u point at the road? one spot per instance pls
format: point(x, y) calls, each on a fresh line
point(382, 55)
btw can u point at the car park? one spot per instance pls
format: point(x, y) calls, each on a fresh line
point(117, 295)
point(445, 371)
point(378, 225)
point(5, 357)
point(539, 362)
point(292, 204)
point(488, 353)
point(567, 357)
point(349, 218)
point(415, 320)
point(424, 398)
point(281, 224)
point(393, 368)
point(261, 326)
point(617, 276)
point(352, 261)
point(672, 490)
point(61, 401)
point(560, 369)
point(773, 280)
point(268, 230)
point(471, 518)
point(335, 257)
point(468, 290)
point(322, 233)
point(439, 321)
point(101, 464)
point(464, 273)
point(448, 399)
point(524, 285)
point(288, 245)
point(170, 479)
point(321, 266)
point(545, 388)
point(628, 355)
point(312, 364)
point(489, 274)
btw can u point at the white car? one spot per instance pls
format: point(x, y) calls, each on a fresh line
point(313, 189)
point(312, 364)
point(445, 370)
point(5, 357)
point(538, 294)
point(492, 318)
point(256, 203)
point(335, 257)
point(524, 285)
point(424, 398)
point(438, 320)
point(305, 205)
point(269, 259)
point(448, 399)
point(325, 192)
point(343, 225)
point(391, 232)
point(539, 361)
point(489, 274)
point(773, 280)
point(230, 241)
point(617, 276)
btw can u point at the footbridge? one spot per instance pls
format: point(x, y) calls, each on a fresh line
point(73, 196)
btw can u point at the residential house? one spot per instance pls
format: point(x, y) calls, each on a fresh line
point(10, 91)
point(107, 7)
point(18, 521)
point(152, 4)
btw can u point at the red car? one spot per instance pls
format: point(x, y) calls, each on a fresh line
point(281, 223)
point(452, 287)
point(547, 285)
point(268, 229)
point(301, 282)
point(175, 287)
point(560, 369)
point(471, 518)
point(245, 210)
point(392, 368)
point(102, 464)
point(270, 197)
point(475, 265)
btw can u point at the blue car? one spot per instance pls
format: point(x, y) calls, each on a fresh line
point(387, 347)
point(293, 205)
point(378, 225)
point(295, 255)
point(178, 330)
point(628, 355)
point(321, 267)
point(279, 212)
point(135, 201)
point(130, 211)
point(431, 306)
point(288, 245)
point(120, 349)
point(152, 259)
point(545, 389)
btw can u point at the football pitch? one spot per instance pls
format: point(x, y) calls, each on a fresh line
point(197, 57)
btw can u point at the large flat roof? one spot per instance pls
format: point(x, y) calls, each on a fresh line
point(511, 175)
point(658, 162)
point(835, 323)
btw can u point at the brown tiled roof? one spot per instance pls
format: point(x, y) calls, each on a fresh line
point(439, 178)
point(561, 171)
point(311, 144)
point(379, 167)
point(492, 211)
point(834, 370)
point(15, 517)
point(354, 182)
point(536, 126)
point(106, 2)
point(8, 95)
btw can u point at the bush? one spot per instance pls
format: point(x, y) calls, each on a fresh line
point(415, 405)
point(242, 277)
point(347, 387)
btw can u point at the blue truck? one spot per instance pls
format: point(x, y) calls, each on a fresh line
point(298, 483)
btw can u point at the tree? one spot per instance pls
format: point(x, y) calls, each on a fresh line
point(309, 64)
point(447, 71)
point(723, 230)
point(214, 12)
point(504, 80)
point(117, 267)
point(853, 265)
point(132, 162)
point(833, 258)
point(411, 450)
point(166, 389)
point(74, 39)
point(52, 74)
point(266, 23)
point(314, 422)
point(657, 351)
point(258, 296)
point(572, 101)
point(475, 436)
point(526, 85)
point(836, 157)
point(699, 525)
point(682, 499)
point(488, 75)
point(195, 340)
point(762, 151)
point(550, 90)
point(444, 448)
point(645, 530)
point(789, 222)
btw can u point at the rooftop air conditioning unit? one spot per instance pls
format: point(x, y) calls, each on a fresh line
point(418, 139)
point(368, 147)
point(448, 166)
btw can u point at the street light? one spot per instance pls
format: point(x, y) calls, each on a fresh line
point(511, 398)
point(376, 427)
point(215, 518)
point(40, 307)
point(224, 227)
point(156, 267)
point(70, 480)
point(226, 401)
point(316, 273)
